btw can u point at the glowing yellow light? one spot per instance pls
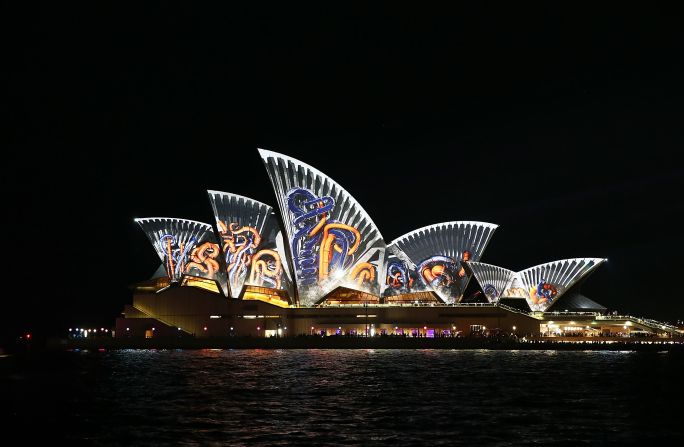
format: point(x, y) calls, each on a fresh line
point(265, 297)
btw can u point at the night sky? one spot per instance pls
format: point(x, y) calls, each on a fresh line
point(562, 125)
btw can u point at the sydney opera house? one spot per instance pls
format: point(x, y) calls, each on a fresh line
point(319, 265)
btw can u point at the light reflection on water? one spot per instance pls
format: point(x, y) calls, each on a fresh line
point(324, 397)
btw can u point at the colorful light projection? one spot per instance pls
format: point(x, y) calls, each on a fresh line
point(186, 247)
point(439, 251)
point(333, 241)
point(400, 274)
point(515, 290)
point(542, 285)
point(545, 283)
point(251, 241)
point(492, 279)
point(543, 294)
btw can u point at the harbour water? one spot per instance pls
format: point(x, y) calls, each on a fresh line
point(349, 397)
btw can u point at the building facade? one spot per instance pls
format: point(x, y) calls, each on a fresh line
point(318, 265)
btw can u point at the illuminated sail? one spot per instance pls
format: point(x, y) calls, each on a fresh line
point(541, 286)
point(400, 273)
point(251, 241)
point(491, 278)
point(332, 240)
point(439, 250)
point(546, 283)
point(186, 247)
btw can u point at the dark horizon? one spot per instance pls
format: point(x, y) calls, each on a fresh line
point(561, 126)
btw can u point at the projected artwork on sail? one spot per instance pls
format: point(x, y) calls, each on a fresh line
point(541, 286)
point(186, 247)
point(333, 241)
point(439, 253)
point(545, 283)
point(401, 276)
point(251, 241)
point(492, 279)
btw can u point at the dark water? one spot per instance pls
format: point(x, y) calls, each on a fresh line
point(351, 397)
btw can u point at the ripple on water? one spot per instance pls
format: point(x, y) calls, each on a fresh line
point(352, 397)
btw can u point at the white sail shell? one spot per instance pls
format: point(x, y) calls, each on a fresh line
point(492, 279)
point(249, 233)
point(175, 241)
point(438, 251)
point(332, 240)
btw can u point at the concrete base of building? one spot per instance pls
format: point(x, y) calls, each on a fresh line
point(188, 311)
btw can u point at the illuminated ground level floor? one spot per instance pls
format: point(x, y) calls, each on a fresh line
point(195, 312)
point(189, 311)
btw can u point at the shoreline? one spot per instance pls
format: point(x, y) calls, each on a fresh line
point(670, 345)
